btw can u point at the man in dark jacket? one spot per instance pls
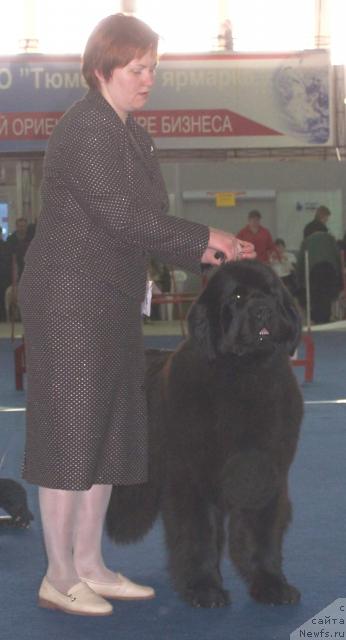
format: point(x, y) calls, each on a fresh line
point(319, 222)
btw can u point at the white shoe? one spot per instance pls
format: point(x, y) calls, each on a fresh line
point(121, 589)
point(80, 600)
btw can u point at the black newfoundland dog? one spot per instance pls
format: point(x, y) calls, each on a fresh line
point(224, 415)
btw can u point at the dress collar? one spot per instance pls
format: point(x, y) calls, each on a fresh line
point(96, 98)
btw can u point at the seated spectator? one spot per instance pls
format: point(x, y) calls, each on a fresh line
point(284, 263)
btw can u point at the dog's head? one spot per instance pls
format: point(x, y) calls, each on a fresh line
point(244, 309)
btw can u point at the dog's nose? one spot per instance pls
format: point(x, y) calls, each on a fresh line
point(263, 313)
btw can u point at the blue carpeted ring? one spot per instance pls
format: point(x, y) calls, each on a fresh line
point(314, 551)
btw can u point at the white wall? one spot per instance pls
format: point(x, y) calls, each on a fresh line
point(281, 176)
point(277, 175)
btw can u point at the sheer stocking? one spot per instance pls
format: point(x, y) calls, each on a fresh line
point(58, 509)
point(88, 534)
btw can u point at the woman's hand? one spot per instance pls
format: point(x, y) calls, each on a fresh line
point(225, 246)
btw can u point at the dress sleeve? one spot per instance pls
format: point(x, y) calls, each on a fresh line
point(93, 163)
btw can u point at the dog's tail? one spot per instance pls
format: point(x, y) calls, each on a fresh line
point(133, 509)
point(132, 512)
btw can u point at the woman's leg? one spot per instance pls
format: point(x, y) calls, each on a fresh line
point(87, 552)
point(58, 514)
point(87, 543)
point(72, 526)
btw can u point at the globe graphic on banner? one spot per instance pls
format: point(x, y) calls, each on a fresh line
point(302, 96)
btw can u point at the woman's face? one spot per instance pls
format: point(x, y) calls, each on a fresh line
point(128, 87)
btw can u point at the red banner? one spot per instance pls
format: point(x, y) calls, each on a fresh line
point(200, 123)
point(161, 124)
point(28, 125)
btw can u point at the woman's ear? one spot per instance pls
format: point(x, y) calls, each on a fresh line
point(99, 76)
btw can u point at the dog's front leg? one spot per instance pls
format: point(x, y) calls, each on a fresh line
point(255, 543)
point(194, 536)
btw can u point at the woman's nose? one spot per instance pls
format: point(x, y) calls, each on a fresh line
point(149, 78)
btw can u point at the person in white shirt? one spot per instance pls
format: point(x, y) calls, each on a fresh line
point(284, 263)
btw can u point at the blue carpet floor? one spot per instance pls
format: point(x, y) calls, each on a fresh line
point(314, 552)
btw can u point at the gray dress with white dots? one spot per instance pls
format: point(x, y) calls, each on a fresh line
point(104, 208)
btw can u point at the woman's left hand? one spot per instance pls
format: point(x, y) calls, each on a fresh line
point(224, 247)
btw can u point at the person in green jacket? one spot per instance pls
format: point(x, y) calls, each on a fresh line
point(325, 274)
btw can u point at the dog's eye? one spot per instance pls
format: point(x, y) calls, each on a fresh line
point(238, 294)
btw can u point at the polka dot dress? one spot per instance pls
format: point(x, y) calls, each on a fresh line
point(86, 410)
point(104, 208)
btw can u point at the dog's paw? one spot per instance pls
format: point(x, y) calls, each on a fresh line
point(270, 589)
point(207, 597)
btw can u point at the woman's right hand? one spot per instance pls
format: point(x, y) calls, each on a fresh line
point(225, 247)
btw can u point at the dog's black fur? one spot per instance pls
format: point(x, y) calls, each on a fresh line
point(224, 416)
point(13, 500)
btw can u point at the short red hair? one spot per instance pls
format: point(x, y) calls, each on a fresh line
point(114, 42)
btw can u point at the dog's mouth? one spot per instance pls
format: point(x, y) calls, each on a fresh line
point(263, 333)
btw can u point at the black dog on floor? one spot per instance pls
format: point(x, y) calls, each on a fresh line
point(13, 500)
point(224, 416)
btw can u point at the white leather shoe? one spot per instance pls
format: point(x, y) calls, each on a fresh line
point(121, 589)
point(80, 600)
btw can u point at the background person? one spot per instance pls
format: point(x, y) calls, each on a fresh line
point(104, 206)
point(325, 274)
point(284, 264)
point(5, 275)
point(319, 223)
point(16, 247)
point(259, 236)
point(18, 243)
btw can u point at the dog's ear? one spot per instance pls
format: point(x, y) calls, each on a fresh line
point(293, 319)
point(200, 330)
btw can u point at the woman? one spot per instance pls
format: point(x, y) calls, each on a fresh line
point(103, 215)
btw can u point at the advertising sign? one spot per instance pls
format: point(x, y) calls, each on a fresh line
point(199, 101)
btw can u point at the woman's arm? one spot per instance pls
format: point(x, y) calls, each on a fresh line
point(94, 164)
